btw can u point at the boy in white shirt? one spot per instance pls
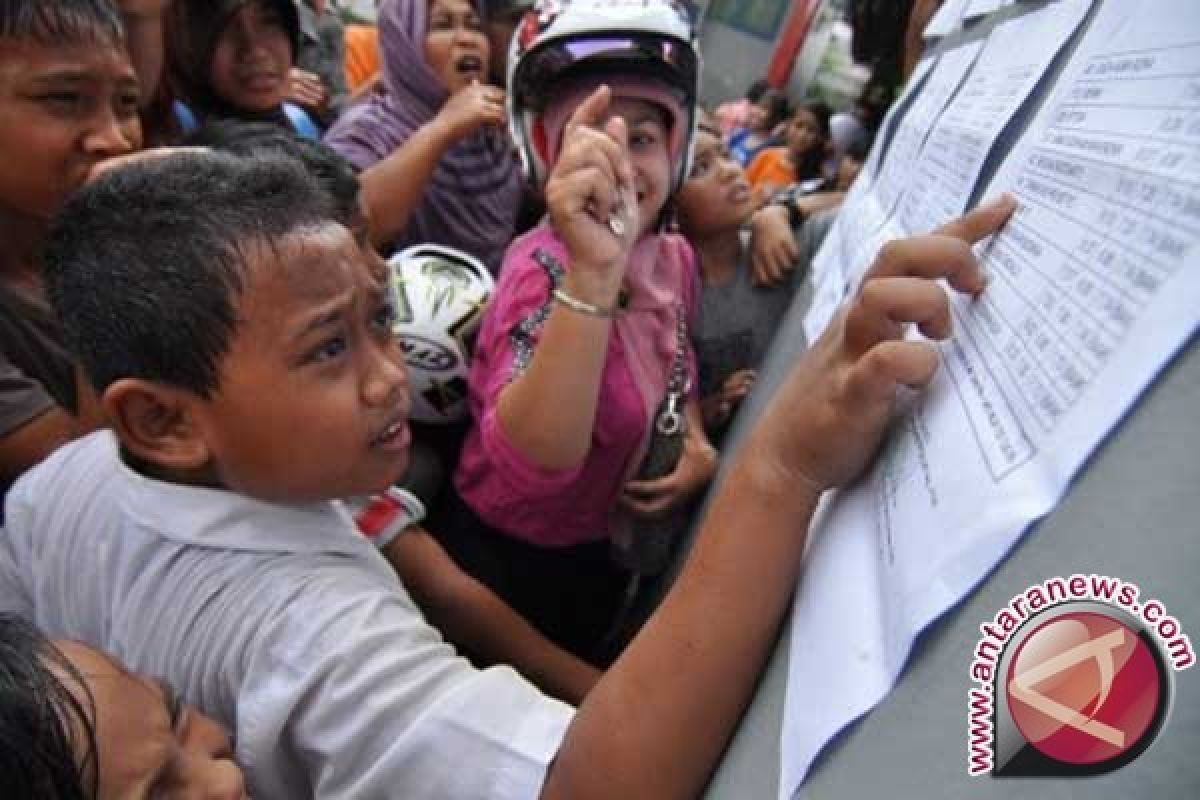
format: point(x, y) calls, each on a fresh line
point(241, 346)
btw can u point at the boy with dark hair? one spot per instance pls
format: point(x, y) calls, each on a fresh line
point(467, 613)
point(242, 349)
point(68, 101)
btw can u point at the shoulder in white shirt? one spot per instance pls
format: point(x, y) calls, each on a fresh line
point(282, 622)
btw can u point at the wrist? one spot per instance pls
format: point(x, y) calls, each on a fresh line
point(443, 131)
point(795, 214)
point(600, 291)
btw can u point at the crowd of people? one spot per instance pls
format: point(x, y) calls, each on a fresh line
point(212, 581)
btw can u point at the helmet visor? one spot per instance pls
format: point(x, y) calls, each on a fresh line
point(544, 70)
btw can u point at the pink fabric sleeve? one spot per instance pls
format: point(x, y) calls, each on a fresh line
point(523, 290)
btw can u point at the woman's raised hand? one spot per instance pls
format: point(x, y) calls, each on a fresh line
point(471, 108)
point(591, 200)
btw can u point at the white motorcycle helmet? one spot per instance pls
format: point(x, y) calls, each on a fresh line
point(440, 295)
point(558, 39)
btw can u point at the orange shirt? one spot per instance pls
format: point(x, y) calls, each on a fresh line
point(362, 55)
point(770, 171)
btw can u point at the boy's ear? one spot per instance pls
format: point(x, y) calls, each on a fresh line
point(157, 423)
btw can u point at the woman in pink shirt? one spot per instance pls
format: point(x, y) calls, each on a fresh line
point(585, 336)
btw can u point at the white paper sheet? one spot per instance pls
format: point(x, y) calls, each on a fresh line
point(1093, 289)
point(1014, 58)
point(979, 8)
point(930, 173)
point(853, 241)
point(946, 19)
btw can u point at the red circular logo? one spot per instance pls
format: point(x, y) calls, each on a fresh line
point(1084, 688)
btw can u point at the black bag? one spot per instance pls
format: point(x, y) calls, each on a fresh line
point(645, 545)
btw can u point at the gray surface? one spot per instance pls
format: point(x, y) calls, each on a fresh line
point(1132, 513)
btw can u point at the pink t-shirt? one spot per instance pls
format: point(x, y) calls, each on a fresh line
point(552, 507)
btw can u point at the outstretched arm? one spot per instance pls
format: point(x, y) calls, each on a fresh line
point(472, 617)
point(677, 692)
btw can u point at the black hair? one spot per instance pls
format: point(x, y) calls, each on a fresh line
point(41, 720)
point(144, 266)
point(756, 90)
point(192, 29)
point(778, 108)
point(814, 159)
point(332, 172)
point(54, 23)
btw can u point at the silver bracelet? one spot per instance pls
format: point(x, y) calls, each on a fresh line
point(575, 304)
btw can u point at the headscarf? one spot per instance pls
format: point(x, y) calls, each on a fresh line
point(192, 30)
point(472, 198)
point(622, 85)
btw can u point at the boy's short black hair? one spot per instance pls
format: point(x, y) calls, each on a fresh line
point(40, 719)
point(330, 169)
point(144, 266)
point(57, 22)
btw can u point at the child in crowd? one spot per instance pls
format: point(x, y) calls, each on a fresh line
point(592, 309)
point(68, 100)
point(737, 320)
point(736, 113)
point(760, 131)
point(76, 725)
point(436, 163)
point(799, 161)
point(234, 58)
point(468, 614)
point(240, 345)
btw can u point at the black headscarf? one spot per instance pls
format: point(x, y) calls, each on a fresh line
point(193, 28)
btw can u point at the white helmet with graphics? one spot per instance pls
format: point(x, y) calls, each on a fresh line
point(440, 295)
point(560, 39)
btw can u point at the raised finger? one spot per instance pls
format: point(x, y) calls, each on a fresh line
point(982, 222)
point(618, 132)
point(931, 257)
point(591, 112)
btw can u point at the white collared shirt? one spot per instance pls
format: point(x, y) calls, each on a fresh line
point(281, 622)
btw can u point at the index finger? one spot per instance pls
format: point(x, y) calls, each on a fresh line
point(982, 222)
point(592, 111)
point(931, 257)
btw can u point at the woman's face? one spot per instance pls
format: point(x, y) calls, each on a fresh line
point(148, 743)
point(63, 109)
point(456, 47)
point(252, 58)
point(649, 154)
